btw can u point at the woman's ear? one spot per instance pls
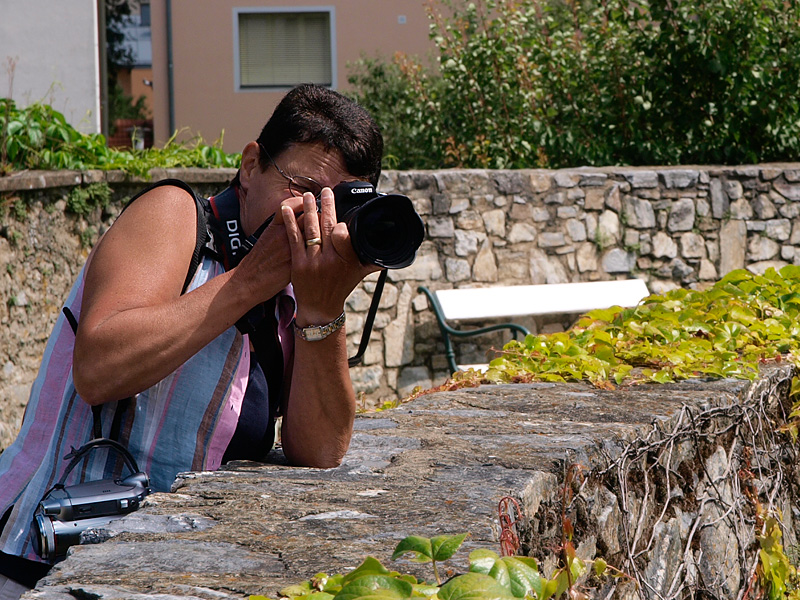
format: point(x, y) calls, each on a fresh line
point(250, 164)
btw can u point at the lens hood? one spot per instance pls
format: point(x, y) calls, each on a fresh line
point(385, 231)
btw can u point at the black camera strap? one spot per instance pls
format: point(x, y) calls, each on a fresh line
point(367, 331)
point(122, 405)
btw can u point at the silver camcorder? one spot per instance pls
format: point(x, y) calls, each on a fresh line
point(65, 512)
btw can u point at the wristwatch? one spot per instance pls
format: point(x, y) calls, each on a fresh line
point(315, 333)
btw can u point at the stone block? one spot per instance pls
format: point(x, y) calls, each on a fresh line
point(546, 269)
point(567, 212)
point(470, 220)
point(778, 229)
point(495, 222)
point(540, 181)
point(485, 267)
point(595, 199)
point(457, 269)
point(441, 227)
point(693, 245)
point(734, 189)
point(594, 179)
point(412, 377)
point(566, 179)
point(608, 228)
point(521, 232)
point(761, 248)
point(638, 213)
point(681, 215)
point(586, 257)
point(641, 178)
point(664, 246)
point(720, 203)
point(790, 191)
point(679, 178)
point(551, 239)
point(576, 230)
point(741, 209)
point(617, 260)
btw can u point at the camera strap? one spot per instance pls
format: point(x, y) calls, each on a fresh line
point(367, 331)
point(122, 405)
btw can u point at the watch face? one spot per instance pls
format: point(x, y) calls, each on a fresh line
point(314, 334)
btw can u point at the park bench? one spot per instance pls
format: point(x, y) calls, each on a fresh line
point(507, 302)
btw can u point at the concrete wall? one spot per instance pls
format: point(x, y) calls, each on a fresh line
point(53, 46)
point(671, 227)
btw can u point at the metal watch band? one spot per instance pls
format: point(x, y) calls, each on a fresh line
point(315, 333)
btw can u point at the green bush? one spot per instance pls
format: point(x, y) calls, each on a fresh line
point(525, 83)
point(39, 137)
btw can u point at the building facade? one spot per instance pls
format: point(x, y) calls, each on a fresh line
point(49, 53)
point(221, 66)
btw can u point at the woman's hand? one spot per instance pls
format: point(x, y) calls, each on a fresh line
point(325, 272)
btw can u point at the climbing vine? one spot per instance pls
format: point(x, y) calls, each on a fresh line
point(725, 331)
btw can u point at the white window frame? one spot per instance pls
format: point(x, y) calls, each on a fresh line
point(237, 73)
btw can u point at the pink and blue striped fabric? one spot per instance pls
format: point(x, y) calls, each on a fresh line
point(183, 423)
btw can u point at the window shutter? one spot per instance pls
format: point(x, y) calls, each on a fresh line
point(284, 49)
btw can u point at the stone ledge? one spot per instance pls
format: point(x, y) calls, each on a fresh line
point(40, 180)
point(437, 465)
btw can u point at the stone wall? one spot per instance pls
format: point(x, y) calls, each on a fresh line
point(673, 227)
point(669, 483)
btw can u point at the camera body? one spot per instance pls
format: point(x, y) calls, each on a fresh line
point(385, 230)
point(66, 512)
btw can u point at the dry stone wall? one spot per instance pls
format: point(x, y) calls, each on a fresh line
point(673, 227)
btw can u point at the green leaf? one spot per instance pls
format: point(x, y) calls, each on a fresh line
point(519, 574)
point(375, 587)
point(444, 546)
point(370, 566)
point(419, 546)
point(474, 586)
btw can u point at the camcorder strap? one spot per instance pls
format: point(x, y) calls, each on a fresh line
point(76, 456)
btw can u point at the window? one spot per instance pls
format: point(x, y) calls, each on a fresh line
point(281, 48)
point(145, 14)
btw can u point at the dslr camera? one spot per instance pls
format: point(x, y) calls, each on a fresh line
point(65, 512)
point(385, 230)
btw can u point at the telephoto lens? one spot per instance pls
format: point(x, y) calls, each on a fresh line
point(385, 230)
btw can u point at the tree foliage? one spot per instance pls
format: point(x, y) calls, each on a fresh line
point(527, 83)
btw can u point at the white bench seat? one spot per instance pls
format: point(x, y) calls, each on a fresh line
point(472, 304)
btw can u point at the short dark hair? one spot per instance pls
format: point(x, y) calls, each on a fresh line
point(315, 114)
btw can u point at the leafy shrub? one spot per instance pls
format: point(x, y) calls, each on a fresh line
point(525, 83)
point(39, 137)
